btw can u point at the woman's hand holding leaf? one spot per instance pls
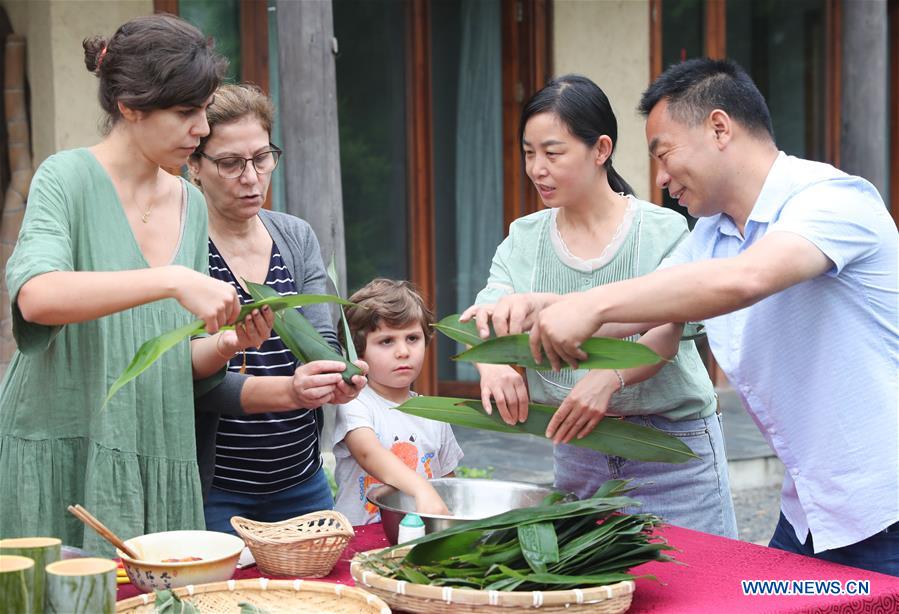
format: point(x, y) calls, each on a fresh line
point(315, 383)
point(213, 301)
point(506, 387)
point(584, 406)
point(344, 392)
point(255, 329)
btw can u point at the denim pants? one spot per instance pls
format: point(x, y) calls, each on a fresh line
point(312, 495)
point(694, 494)
point(879, 553)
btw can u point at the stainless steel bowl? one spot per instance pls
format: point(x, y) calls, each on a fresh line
point(467, 500)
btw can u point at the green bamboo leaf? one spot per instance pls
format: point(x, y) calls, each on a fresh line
point(539, 545)
point(150, 351)
point(350, 347)
point(453, 545)
point(602, 353)
point(465, 333)
point(611, 436)
point(300, 336)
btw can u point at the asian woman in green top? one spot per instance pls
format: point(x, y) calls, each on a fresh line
point(595, 231)
point(112, 252)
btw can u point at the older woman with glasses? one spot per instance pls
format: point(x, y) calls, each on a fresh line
point(258, 431)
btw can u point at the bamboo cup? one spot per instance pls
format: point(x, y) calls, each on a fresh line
point(43, 551)
point(81, 586)
point(16, 584)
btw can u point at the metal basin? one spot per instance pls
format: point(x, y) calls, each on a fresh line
point(467, 500)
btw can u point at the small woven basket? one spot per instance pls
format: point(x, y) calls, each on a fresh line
point(426, 599)
point(306, 546)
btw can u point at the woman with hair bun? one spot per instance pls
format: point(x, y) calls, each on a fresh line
point(112, 252)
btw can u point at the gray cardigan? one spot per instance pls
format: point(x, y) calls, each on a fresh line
point(220, 394)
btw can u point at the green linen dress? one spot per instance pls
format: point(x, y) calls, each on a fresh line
point(132, 463)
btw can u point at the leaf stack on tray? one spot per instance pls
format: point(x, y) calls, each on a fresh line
point(555, 546)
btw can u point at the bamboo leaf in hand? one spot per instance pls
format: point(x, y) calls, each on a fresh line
point(610, 436)
point(614, 437)
point(602, 353)
point(465, 333)
point(300, 336)
point(150, 351)
point(349, 346)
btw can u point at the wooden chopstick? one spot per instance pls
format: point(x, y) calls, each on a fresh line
point(84, 516)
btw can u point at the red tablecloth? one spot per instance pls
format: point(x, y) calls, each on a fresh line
point(708, 581)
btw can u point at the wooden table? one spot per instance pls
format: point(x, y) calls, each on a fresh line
point(708, 580)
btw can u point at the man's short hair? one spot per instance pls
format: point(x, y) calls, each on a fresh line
point(695, 88)
point(394, 303)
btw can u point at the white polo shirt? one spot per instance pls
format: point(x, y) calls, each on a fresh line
point(816, 364)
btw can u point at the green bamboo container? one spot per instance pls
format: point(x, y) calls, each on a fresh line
point(81, 586)
point(17, 584)
point(43, 551)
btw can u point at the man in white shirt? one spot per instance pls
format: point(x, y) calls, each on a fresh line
point(793, 266)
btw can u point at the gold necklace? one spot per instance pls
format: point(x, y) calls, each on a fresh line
point(146, 214)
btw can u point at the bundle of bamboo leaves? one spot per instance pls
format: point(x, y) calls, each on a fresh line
point(555, 546)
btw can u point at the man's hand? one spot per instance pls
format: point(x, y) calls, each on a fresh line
point(560, 328)
point(513, 314)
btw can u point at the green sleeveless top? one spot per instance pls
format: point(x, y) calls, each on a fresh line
point(533, 258)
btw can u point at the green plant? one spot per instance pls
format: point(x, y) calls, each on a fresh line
point(474, 472)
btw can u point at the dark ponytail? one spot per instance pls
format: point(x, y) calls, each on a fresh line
point(584, 108)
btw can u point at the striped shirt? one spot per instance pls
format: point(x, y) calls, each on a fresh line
point(264, 453)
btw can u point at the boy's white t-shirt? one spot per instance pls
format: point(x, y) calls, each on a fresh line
point(425, 445)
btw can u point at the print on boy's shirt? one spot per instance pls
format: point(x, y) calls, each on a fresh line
point(407, 452)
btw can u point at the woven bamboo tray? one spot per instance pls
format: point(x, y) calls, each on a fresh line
point(425, 599)
point(307, 546)
point(272, 596)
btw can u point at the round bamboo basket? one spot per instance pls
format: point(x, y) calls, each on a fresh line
point(306, 546)
point(426, 599)
point(272, 596)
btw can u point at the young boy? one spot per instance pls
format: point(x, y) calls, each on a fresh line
point(373, 442)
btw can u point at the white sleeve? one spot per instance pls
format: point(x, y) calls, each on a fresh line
point(351, 416)
point(450, 453)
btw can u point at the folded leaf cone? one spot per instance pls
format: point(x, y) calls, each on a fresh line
point(300, 336)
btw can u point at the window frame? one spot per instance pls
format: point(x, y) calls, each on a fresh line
point(715, 46)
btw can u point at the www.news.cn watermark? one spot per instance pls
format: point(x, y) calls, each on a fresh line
point(805, 587)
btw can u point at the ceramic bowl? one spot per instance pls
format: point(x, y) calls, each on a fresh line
point(218, 554)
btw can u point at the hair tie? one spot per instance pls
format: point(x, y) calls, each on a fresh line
point(101, 56)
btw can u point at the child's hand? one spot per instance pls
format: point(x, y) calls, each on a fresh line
point(427, 501)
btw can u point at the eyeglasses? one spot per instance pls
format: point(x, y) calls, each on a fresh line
point(232, 167)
